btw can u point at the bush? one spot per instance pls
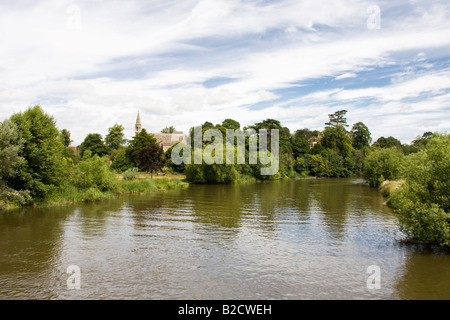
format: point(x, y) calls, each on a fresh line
point(120, 161)
point(211, 173)
point(130, 174)
point(382, 164)
point(94, 172)
point(423, 201)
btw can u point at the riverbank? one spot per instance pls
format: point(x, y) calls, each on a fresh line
point(69, 194)
point(422, 221)
point(141, 183)
point(387, 188)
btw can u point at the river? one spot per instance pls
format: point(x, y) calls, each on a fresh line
point(289, 239)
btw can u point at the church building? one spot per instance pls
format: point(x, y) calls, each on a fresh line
point(165, 139)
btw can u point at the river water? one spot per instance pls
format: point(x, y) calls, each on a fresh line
point(291, 239)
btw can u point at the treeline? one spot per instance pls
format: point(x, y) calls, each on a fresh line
point(37, 163)
point(333, 152)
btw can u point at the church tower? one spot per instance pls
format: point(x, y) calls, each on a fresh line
point(138, 126)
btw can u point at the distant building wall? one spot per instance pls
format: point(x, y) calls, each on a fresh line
point(169, 139)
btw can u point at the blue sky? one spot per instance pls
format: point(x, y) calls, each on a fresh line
point(94, 63)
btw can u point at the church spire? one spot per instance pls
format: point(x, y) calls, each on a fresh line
point(138, 126)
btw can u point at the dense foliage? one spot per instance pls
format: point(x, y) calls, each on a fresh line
point(42, 168)
point(423, 200)
point(383, 164)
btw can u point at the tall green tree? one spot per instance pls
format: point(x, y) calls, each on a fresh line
point(421, 141)
point(65, 136)
point(120, 161)
point(300, 146)
point(139, 141)
point(306, 134)
point(231, 124)
point(383, 164)
point(422, 201)
point(43, 168)
point(361, 135)
point(10, 146)
point(94, 143)
point(389, 142)
point(170, 129)
point(337, 139)
point(115, 139)
point(337, 119)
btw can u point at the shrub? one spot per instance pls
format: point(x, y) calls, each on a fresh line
point(94, 172)
point(120, 161)
point(131, 174)
point(423, 201)
point(382, 164)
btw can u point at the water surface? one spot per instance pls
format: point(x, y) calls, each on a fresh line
point(293, 239)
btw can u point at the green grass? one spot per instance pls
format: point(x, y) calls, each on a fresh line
point(70, 194)
point(146, 185)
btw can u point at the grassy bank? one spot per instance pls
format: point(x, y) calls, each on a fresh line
point(387, 188)
point(69, 194)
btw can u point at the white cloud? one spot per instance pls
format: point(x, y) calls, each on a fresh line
point(155, 56)
point(346, 75)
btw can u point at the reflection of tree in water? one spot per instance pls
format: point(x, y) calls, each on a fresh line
point(260, 205)
point(162, 206)
point(94, 216)
point(218, 205)
point(425, 274)
point(333, 199)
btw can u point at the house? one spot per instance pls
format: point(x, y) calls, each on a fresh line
point(165, 139)
point(312, 141)
point(169, 139)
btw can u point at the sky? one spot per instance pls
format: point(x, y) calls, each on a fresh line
point(94, 63)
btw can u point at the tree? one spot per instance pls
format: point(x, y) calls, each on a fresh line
point(208, 124)
point(422, 201)
point(231, 124)
point(94, 143)
point(139, 141)
point(382, 164)
point(176, 167)
point(115, 139)
point(389, 142)
point(170, 129)
point(338, 139)
point(361, 135)
point(65, 136)
point(93, 173)
point(300, 146)
point(337, 118)
point(267, 124)
point(151, 158)
point(305, 134)
point(43, 168)
point(10, 146)
point(421, 141)
point(120, 161)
